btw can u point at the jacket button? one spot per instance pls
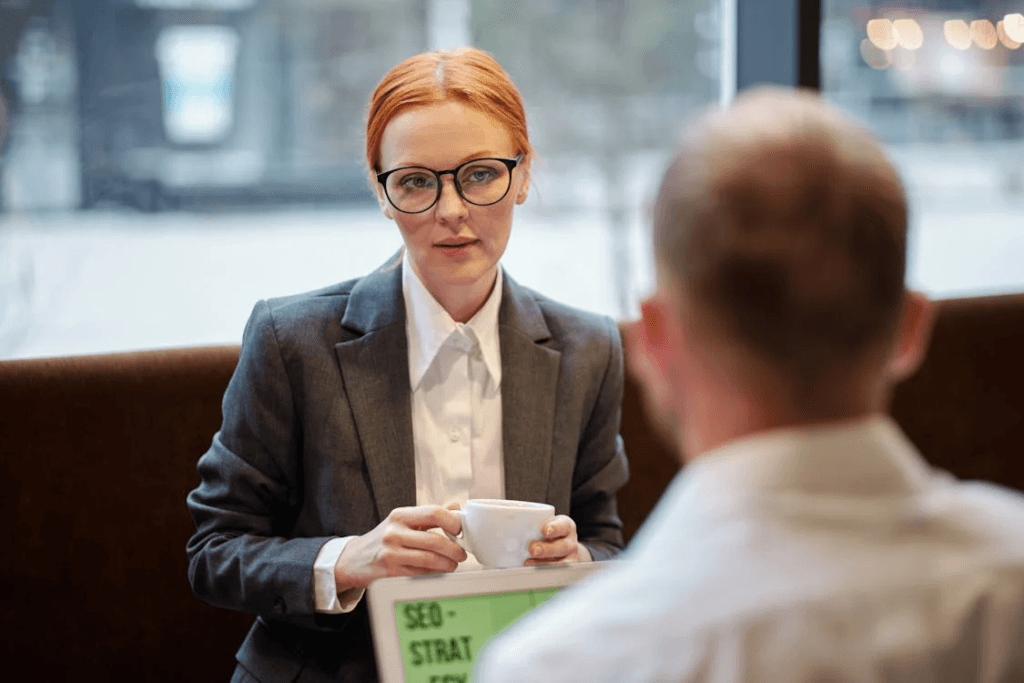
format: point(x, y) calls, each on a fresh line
point(279, 605)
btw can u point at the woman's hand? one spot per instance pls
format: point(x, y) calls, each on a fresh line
point(559, 545)
point(401, 545)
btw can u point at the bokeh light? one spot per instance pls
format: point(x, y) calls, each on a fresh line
point(1013, 24)
point(875, 57)
point(882, 34)
point(957, 33)
point(1006, 40)
point(983, 33)
point(908, 34)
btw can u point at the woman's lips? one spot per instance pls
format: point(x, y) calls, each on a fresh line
point(456, 248)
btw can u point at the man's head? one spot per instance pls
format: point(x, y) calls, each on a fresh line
point(780, 236)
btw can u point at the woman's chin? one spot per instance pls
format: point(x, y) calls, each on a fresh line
point(461, 274)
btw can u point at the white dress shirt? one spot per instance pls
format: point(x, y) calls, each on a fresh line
point(455, 376)
point(832, 554)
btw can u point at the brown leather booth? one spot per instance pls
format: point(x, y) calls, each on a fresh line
point(99, 453)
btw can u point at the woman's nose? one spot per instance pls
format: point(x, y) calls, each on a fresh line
point(450, 205)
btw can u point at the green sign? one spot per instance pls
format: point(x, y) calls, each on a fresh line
point(441, 638)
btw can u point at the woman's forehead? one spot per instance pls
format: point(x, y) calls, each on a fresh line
point(441, 136)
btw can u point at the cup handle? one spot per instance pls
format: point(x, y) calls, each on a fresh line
point(461, 537)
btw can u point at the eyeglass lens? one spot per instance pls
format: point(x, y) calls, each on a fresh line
point(481, 182)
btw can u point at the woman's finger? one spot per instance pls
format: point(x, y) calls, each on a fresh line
point(552, 550)
point(426, 562)
point(424, 517)
point(559, 527)
point(413, 539)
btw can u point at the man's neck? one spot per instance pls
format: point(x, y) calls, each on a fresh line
point(714, 419)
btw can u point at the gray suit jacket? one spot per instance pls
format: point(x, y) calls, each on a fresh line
point(316, 442)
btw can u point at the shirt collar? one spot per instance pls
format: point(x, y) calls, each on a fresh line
point(863, 458)
point(428, 326)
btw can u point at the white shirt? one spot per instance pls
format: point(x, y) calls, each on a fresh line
point(833, 554)
point(455, 376)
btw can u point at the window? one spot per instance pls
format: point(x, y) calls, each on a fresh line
point(942, 83)
point(169, 162)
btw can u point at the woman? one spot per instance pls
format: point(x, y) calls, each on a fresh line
point(360, 413)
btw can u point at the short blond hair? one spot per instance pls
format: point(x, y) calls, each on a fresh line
point(784, 224)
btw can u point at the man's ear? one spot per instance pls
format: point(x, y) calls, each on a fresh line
point(648, 346)
point(913, 336)
point(650, 349)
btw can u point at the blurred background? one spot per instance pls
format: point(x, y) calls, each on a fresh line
point(168, 162)
point(942, 83)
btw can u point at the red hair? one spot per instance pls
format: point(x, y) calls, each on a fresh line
point(467, 75)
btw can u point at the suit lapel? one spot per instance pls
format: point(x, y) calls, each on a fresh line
point(375, 370)
point(529, 372)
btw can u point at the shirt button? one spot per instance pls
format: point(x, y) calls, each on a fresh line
point(279, 605)
point(453, 434)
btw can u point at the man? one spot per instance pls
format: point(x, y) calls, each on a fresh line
point(806, 539)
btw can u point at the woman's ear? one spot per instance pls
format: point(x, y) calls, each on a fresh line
point(382, 200)
point(524, 189)
point(913, 335)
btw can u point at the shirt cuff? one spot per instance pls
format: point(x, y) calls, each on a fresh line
point(325, 591)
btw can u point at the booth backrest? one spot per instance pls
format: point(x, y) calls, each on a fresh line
point(99, 453)
point(964, 409)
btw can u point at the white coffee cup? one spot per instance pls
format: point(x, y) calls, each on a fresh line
point(499, 532)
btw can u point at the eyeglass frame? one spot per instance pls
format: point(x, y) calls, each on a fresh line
point(510, 163)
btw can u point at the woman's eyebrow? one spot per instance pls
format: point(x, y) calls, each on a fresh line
point(482, 154)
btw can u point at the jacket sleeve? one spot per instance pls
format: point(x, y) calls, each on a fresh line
point(241, 556)
point(601, 467)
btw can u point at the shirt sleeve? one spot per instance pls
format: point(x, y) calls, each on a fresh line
point(325, 592)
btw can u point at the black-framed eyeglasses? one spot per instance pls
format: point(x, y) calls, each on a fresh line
point(482, 182)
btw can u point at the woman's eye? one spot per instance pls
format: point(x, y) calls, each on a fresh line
point(480, 175)
point(416, 181)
